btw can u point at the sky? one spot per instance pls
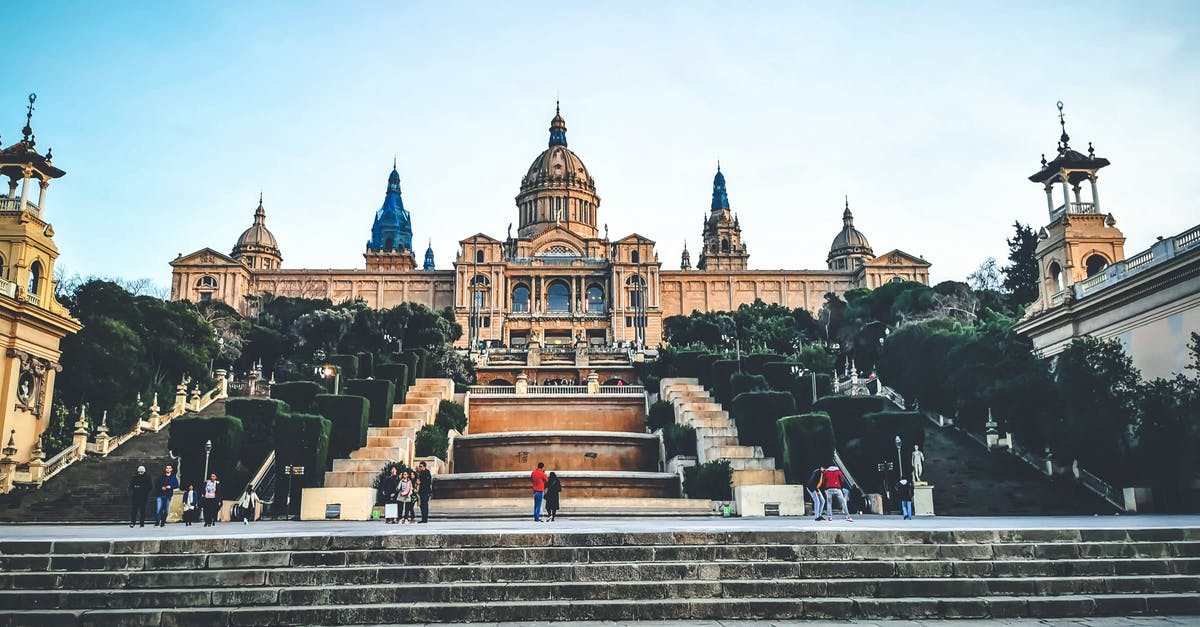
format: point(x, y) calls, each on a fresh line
point(171, 118)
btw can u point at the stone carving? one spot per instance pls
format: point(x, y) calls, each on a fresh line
point(918, 464)
point(31, 381)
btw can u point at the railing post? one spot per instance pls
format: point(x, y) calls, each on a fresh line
point(194, 399)
point(593, 383)
point(79, 441)
point(222, 384)
point(522, 383)
point(102, 439)
point(8, 464)
point(37, 465)
point(181, 396)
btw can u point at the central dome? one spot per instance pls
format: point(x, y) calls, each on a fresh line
point(557, 189)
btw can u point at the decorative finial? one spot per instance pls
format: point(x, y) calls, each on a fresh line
point(847, 202)
point(49, 154)
point(28, 130)
point(1062, 121)
point(718, 164)
point(1043, 159)
point(260, 198)
point(1091, 151)
point(556, 109)
point(393, 162)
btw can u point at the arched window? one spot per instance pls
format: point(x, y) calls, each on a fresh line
point(1095, 264)
point(3, 268)
point(897, 279)
point(637, 288)
point(724, 245)
point(35, 277)
point(1056, 276)
point(635, 257)
point(595, 299)
point(520, 298)
point(207, 282)
point(558, 297)
point(479, 256)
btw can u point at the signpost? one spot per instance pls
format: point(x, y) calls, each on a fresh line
point(291, 471)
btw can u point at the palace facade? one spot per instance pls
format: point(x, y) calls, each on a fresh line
point(558, 279)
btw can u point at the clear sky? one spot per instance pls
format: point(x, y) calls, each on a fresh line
point(170, 118)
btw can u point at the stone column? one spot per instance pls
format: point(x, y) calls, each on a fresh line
point(593, 383)
point(79, 441)
point(181, 397)
point(46, 184)
point(1095, 193)
point(194, 399)
point(28, 172)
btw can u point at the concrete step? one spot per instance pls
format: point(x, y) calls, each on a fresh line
point(395, 431)
point(388, 441)
point(351, 479)
point(716, 432)
point(758, 477)
point(396, 454)
point(358, 465)
point(729, 452)
point(752, 463)
point(411, 425)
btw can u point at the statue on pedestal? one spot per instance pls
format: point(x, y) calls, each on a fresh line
point(918, 464)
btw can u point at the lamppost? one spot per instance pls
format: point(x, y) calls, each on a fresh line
point(207, 452)
point(797, 371)
point(899, 459)
point(737, 346)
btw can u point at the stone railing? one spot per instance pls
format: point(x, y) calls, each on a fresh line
point(854, 386)
point(13, 205)
point(8, 288)
point(1076, 208)
point(33, 299)
point(557, 390)
point(1162, 251)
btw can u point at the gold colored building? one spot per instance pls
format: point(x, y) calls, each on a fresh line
point(558, 279)
point(32, 322)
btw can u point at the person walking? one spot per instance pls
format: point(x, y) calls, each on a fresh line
point(139, 493)
point(247, 505)
point(814, 486)
point(210, 500)
point(191, 505)
point(538, 478)
point(553, 489)
point(166, 485)
point(905, 491)
point(835, 483)
point(404, 497)
point(388, 488)
point(424, 489)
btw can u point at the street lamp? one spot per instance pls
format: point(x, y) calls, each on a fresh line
point(797, 371)
point(899, 459)
point(207, 452)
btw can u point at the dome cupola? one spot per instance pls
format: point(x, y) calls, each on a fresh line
point(850, 249)
point(557, 189)
point(257, 247)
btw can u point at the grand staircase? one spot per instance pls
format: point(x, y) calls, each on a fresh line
point(833, 573)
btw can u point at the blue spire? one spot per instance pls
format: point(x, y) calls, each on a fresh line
point(558, 128)
point(392, 229)
point(429, 265)
point(720, 198)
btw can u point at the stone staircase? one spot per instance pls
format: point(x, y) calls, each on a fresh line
point(349, 483)
point(716, 433)
point(382, 578)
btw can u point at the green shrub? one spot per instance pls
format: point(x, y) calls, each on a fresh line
point(802, 390)
point(711, 480)
point(705, 362)
point(846, 413)
point(688, 364)
point(660, 415)
point(303, 440)
point(366, 365)
point(259, 416)
point(755, 414)
point(652, 383)
point(348, 416)
point(298, 395)
point(719, 373)
point(753, 364)
point(187, 438)
point(431, 441)
point(379, 392)
point(451, 415)
point(397, 374)
point(679, 440)
point(741, 383)
point(412, 360)
point(348, 364)
point(806, 442)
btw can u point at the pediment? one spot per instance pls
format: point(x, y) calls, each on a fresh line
point(206, 257)
point(558, 236)
point(479, 238)
point(634, 238)
point(897, 257)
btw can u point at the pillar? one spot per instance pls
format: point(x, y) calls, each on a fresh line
point(223, 383)
point(593, 383)
point(102, 439)
point(1095, 193)
point(522, 384)
point(37, 465)
point(28, 171)
point(79, 438)
point(1066, 194)
point(42, 195)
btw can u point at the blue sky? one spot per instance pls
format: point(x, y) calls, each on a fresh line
point(170, 118)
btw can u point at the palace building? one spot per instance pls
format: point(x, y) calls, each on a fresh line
point(557, 280)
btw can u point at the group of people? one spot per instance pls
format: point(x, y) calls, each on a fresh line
point(546, 490)
point(825, 484)
point(204, 502)
point(403, 491)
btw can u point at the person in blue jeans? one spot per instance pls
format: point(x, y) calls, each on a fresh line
point(539, 490)
point(905, 491)
point(164, 489)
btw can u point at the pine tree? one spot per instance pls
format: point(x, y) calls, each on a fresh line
point(1021, 275)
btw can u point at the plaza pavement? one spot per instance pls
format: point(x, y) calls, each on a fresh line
point(18, 532)
point(1137, 621)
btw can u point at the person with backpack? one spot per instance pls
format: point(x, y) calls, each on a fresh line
point(814, 485)
point(836, 486)
point(247, 505)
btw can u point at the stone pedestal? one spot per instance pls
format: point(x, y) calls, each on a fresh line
point(752, 500)
point(922, 499)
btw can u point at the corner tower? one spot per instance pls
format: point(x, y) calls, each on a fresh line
point(557, 189)
point(390, 246)
point(256, 248)
point(723, 248)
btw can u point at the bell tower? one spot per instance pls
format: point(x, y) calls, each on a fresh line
point(1080, 239)
point(723, 248)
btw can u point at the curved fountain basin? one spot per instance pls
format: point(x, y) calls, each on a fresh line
point(576, 484)
point(559, 450)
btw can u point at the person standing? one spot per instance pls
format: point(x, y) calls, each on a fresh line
point(905, 491)
point(166, 486)
point(388, 488)
point(538, 478)
point(814, 485)
point(247, 505)
point(139, 493)
point(835, 483)
point(191, 505)
point(211, 499)
point(553, 489)
point(424, 489)
point(404, 497)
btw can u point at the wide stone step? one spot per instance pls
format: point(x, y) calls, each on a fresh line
point(393, 453)
point(353, 479)
point(393, 431)
point(358, 465)
point(635, 609)
point(388, 441)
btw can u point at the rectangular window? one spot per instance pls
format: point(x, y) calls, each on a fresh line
point(205, 296)
point(628, 321)
point(487, 322)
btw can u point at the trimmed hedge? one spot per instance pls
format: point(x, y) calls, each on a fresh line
point(397, 374)
point(298, 395)
point(779, 374)
point(366, 365)
point(348, 364)
point(679, 440)
point(260, 417)
point(187, 437)
point(847, 414)
point(379, 392)
point(688, 364)
point(802, 390)
point(879, 442)
point(719, 373)
point(755, 414)
point(431, 441)
point(412, 361)
point(712, 480)
point(450, 415)
point(303, 440)
point(741, 383)
point(705, 363)
point(348, 416)
point(806, 441)
point(660, 415)
point(753, 364)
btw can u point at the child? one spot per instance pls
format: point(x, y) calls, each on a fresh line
point(247, 505)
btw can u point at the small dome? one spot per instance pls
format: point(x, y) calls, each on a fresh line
point(258, 235)
point(850, 241)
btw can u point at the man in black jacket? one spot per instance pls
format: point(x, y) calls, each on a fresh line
point(139, 492)
point(424, 489)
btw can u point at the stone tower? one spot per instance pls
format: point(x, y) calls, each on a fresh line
point(390, 246)
point(723, 247)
